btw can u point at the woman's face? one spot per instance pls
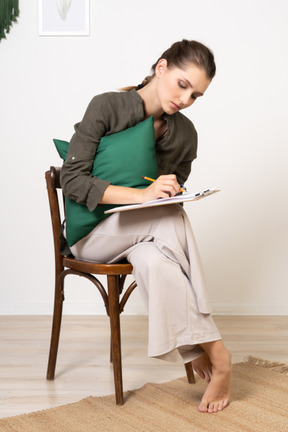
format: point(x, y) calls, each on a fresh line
point(179, 88)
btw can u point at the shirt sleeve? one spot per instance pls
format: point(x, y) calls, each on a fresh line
point(187, 149)
point(76, 179)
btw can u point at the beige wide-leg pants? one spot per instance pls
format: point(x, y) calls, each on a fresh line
point(160, 245)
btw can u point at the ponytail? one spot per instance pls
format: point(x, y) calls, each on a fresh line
point(139, 86)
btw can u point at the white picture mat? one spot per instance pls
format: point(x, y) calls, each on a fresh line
point(53, 21)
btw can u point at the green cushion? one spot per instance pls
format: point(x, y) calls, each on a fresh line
point(121, 158)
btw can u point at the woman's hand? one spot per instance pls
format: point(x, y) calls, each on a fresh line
point(164, 187)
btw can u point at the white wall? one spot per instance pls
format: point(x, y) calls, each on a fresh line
point(45, 86)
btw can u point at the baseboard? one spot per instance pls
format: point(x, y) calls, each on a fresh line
point(138, 309)
point(249, 309)
point(68, 309)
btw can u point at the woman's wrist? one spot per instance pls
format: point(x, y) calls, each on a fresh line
point(122, 195)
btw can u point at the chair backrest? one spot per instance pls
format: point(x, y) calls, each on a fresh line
point(53, 183)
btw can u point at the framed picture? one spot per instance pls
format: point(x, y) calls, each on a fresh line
point(63, 17)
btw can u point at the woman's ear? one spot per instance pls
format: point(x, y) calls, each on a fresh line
point(161, 67)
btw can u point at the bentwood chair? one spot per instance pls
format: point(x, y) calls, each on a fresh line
point(114, 297)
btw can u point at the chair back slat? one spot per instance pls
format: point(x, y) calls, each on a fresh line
point(55, 177)
point(53, 183)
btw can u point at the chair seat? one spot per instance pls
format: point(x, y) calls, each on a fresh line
point(95, 268)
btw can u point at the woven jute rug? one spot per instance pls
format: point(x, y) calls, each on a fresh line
point(259, 404)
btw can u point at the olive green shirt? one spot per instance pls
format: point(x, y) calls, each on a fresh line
point(113, 112)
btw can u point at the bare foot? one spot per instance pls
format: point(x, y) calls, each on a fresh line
point(217, 394)
point(203, 367)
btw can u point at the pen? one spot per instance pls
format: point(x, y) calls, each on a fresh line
point(182, 188)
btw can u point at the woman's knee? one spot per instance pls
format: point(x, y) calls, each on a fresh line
point(147, 256)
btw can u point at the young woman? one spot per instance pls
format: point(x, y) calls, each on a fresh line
point(158, 241)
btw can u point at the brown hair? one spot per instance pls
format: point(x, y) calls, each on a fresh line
point(181, 54)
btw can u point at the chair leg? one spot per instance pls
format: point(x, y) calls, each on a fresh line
point(56, 326)
point(190, 373)
point(111, 360)
point(114, 314)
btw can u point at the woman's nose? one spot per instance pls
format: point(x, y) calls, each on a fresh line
point(186, 99)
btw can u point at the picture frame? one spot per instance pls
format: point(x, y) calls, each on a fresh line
point(64, 18)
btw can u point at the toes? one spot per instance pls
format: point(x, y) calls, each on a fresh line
point(217, 406)
point(203, 374)
point(208, 378)
point(203, 407)
point(212, 407)
point(200, 373)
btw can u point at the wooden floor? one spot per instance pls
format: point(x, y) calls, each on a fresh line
point(83, 367)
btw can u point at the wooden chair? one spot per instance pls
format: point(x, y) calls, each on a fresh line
point(115, 297)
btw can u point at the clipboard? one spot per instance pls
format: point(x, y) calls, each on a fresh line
point(185, 197)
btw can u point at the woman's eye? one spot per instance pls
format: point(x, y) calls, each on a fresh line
point(181, 85)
